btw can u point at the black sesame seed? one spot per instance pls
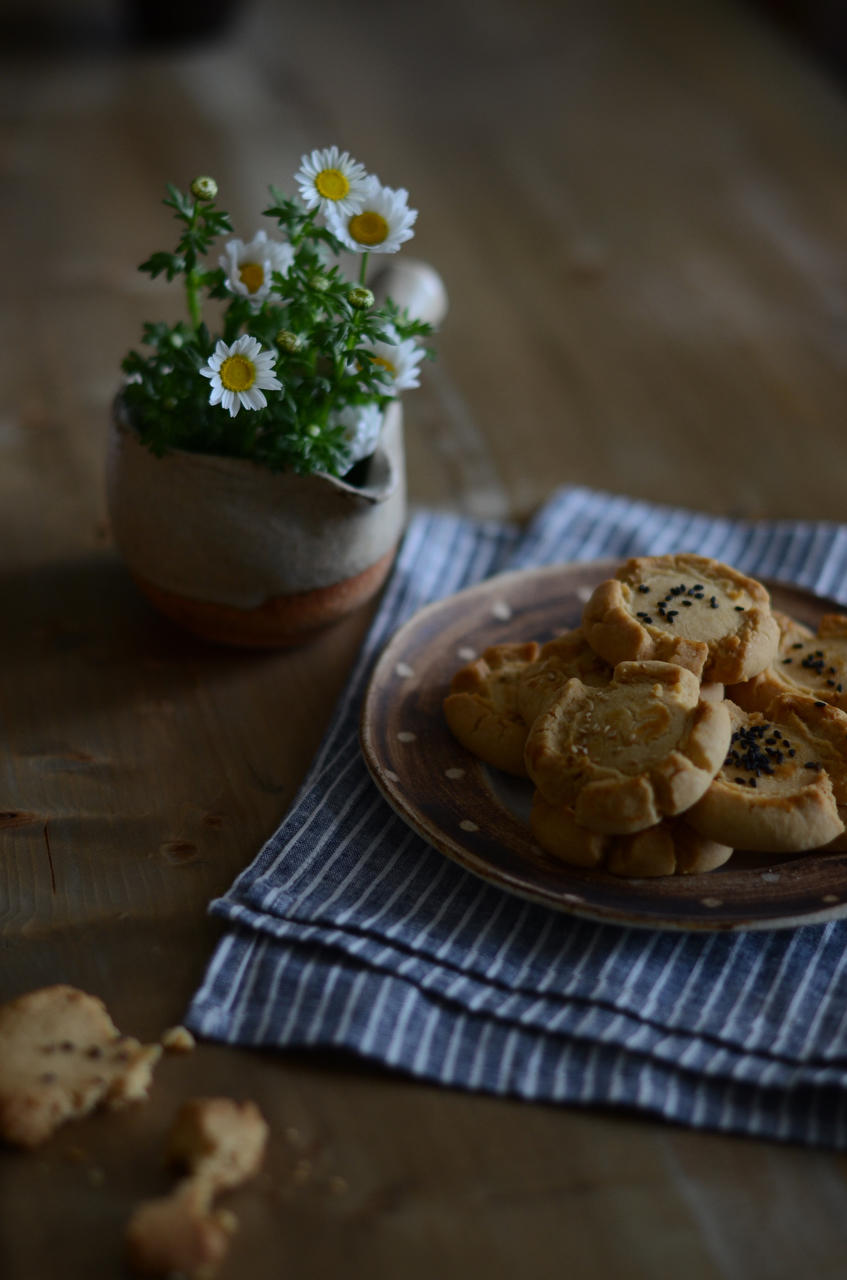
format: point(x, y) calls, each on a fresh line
point(820, 704)
point(642, 586)
point(713, 603)
point(797, 645)
point(812, 764)
point(739, 608)
point(787, 661)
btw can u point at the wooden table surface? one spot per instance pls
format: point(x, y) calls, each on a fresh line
point(640, 213)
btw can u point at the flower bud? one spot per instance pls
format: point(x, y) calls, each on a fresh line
point(176, 340)
point(360, 298)
point(288, 341)
point(319, 283)
point(313, 430)
point(204, 188)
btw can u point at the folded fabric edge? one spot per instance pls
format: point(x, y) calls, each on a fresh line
point(388, 1021)
point(292, 961)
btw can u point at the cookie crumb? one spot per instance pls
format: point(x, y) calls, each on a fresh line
point(178, 1040)
point(221, 1144)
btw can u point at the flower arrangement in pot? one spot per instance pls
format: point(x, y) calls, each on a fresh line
point(255, 477)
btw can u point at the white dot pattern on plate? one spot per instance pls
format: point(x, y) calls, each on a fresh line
point(770, 877)
point(403, 669)
point(466, 653)
point(712, 902)
point(830, 897)
point(584, 593)
point(406, 736)
point(501, 610)
point(392, 776)
point(467, 825)
point(454, 773)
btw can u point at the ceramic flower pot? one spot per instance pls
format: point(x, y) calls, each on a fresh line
point(242, 556)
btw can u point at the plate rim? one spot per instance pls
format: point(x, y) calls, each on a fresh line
point(451, 847)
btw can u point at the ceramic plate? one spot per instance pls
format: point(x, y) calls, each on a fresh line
point(479, 817)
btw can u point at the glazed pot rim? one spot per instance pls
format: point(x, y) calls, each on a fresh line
point(382, 484)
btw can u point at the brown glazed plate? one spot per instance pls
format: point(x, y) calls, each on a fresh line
point(479, 817)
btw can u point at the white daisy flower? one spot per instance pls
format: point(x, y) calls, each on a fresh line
point(331, 179)
point(400, 360)
point(240, 374)
point(383, 222)
point(363, 424)
point(249, 267)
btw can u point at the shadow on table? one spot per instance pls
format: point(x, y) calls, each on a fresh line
point(83, 627)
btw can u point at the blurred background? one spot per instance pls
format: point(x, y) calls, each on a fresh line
point(638, 209)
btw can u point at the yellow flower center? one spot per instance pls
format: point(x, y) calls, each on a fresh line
point(252, 275)
point(332, 184)
point(368, 227)
point(238, 373)
point(386, 364)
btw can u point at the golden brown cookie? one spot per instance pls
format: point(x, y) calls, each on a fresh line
point(824, 728)
point(814, 665)
point(669, 848)
point(221, 1144)
point(643, 747)
point(557, 662)
point(60, 1057)
point(482, 706)
point(773, 793)
point(686, 609)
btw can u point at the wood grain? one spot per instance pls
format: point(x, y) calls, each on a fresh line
point(639, 213)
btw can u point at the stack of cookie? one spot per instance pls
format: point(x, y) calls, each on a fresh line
point(682, 720)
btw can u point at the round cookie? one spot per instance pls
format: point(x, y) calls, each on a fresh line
point(686, 609)
point(569, 655)
point(772, 793)
point(813, 665)
point(643, 747)
point(824, 727)
point(669, 848)
point(482, 706)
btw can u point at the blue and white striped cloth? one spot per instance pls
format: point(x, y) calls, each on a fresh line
point(348, 930)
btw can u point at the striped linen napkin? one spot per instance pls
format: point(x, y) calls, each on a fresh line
point(348, 930)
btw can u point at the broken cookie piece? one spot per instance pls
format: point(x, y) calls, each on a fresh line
point(61, 1056)
point(221, 1144)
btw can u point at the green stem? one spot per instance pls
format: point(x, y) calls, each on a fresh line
point(306, 230)
point(363, 269)
point(192, 297)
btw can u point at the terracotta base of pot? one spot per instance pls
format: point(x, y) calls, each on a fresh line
point(281, 622)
